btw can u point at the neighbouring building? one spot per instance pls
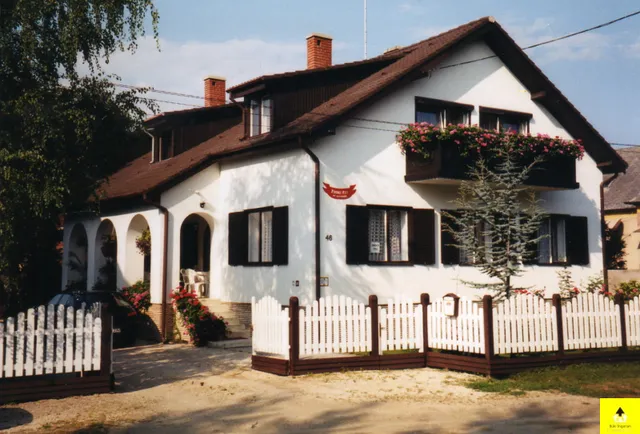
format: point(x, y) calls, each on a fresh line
point(622, 213)
point(300, 188)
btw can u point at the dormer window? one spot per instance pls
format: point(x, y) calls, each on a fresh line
point(504, 120)
point(260, 115)
point(441, 113)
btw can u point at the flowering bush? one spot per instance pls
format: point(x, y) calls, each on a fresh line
point(524, 291)
point(473, 141)
point(143, 242)
point(138, 295)
point(201, 324)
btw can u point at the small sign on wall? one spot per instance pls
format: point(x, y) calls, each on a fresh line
point(374, 248)
point(324, 281)
point(450, 304)
point(339, 193)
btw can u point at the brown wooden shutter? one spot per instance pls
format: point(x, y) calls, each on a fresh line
point(281, 235)
point(449, 253)
point(422, 239)
point(238, 238)
point(357, 234)
point(577, 232)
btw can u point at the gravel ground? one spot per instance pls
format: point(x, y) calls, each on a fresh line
point(181, 389)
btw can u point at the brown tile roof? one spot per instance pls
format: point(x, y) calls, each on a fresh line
point(139, 176)
point(626, 186)
point(413, 56)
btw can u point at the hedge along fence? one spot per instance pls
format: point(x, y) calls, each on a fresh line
point(332, 334)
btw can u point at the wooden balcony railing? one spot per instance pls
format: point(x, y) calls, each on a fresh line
point(447, 166)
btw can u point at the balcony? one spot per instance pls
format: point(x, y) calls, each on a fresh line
point(447, 166)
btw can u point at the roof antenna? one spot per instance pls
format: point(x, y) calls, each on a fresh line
point(365, 29)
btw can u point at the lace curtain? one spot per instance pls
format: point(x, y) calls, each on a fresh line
point(267, 236)
point(377, 235)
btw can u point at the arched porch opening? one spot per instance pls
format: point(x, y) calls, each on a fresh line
point(77, 259)
point(195, 251)
point(106, 257)
point(138, 251)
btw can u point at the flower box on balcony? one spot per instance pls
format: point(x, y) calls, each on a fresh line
point(445, 156)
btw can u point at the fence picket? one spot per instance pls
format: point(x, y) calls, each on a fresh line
point(2, 347)
point(69, 329)
point(88, 348)
point(18, 366)
point(49, 340)
point(60, 340)
point(10, 338)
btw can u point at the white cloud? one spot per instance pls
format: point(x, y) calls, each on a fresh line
point(633, 50)
point(181, 67)
point(412, 7)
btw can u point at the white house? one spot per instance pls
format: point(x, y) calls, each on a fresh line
point(301, 189)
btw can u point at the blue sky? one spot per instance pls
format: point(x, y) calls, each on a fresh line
point(599, 72)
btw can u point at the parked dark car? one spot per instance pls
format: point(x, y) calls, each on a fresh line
point(125, 317)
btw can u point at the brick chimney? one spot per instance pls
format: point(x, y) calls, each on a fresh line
point(215, 91)
point(318, 51)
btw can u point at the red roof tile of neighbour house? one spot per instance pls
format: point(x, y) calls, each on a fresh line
point(404, 64)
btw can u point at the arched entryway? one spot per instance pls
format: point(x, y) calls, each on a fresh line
point(195, 245)
point(138, 251)
point(106, 257)
point(77, 259)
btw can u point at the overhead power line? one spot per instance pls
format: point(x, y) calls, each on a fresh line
point(539, 44)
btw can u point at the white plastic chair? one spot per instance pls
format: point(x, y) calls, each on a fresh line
point(195, 281)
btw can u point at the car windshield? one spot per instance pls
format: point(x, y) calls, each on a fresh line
point(64, 299)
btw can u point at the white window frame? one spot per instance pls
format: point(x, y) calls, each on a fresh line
point(385, 247)
point(262, 252)
point(264, 114)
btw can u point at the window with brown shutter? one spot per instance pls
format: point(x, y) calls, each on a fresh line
point(578, 240)
point(386, 235)
point(259, 237)
point(449, 252)
point(565, 241)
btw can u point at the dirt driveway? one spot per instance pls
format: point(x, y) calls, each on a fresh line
point(177, 388)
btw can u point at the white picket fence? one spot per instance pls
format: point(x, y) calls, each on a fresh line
point(270, 322)
point(632, 314)
point(591, 321)
point(464, 332)
point(50, 341)
point(335, 324)
point(400, 326)
point(524, 324)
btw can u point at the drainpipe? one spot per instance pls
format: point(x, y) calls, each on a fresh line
point(242, 110)
point(163, 313)
point(316, 199)
point(153, 143)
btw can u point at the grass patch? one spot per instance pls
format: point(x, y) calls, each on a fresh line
point(596, 380)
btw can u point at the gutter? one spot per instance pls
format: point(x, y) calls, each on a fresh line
point(163, 313)
point(242, 110)
point(316, 199)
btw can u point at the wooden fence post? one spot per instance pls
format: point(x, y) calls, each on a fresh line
point(106, 351)
point(619, 301)
point(557, 303)
point(375, 326)
point(294, 333)
point(424, 301)
point(487, 307)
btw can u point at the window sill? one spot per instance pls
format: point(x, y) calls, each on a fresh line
point(388, 264)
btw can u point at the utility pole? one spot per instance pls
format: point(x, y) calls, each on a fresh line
point(365, 29)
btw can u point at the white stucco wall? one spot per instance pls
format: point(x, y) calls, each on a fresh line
point(371, 160)
point(128, 259)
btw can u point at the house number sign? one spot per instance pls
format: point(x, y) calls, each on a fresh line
point(339, 193)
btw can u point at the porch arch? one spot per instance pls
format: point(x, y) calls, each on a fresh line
point(138, 266)
point(77, 257)
point(106, 256)
point(196, 235)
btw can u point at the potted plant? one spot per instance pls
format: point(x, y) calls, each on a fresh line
point(143, 242)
